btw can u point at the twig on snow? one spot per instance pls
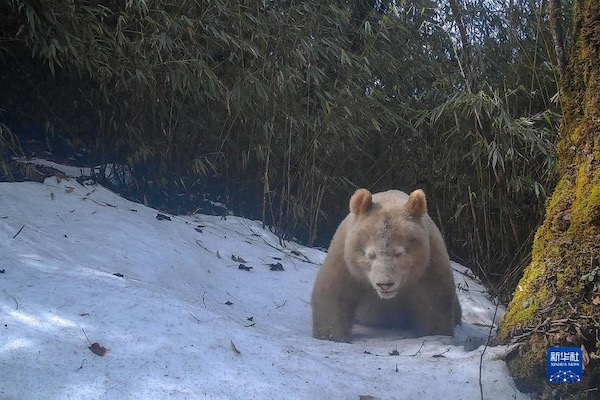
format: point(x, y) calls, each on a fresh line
point(200, 244)
point(82, 362)
point(17, 234)
point(193, 316)
point(86, 336)
point(420, 348)
point(280, 305)
point(487, 342)
point(14, 298)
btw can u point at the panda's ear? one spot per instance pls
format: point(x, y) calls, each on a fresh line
point(416, 204)
point(361, 201)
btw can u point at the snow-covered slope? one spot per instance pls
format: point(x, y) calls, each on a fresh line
point(181, 319)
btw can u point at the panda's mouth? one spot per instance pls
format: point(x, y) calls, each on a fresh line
point(387, 294)
point(385, 287)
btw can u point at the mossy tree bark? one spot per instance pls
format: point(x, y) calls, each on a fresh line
point(557, 302)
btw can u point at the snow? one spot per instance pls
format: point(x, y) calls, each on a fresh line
point(183, 321)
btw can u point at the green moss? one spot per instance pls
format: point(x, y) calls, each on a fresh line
point(531, 295)
point(587, 194)
point(593, 205)
point(527, 368)
point(577, 134)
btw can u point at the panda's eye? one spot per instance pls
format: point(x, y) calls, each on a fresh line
point(413, 240)
point(398, 253)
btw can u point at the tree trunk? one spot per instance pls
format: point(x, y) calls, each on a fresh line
point(557, 302)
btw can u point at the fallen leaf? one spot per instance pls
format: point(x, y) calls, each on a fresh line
point(244, 267)
point(160, 217)
point(228, 303)
point(276, 267)
point(198, 229)
point(235, 350)
point(97, 349)
point(120, 275)
point(238, 259)
point(596, 301)
point(199, 243)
